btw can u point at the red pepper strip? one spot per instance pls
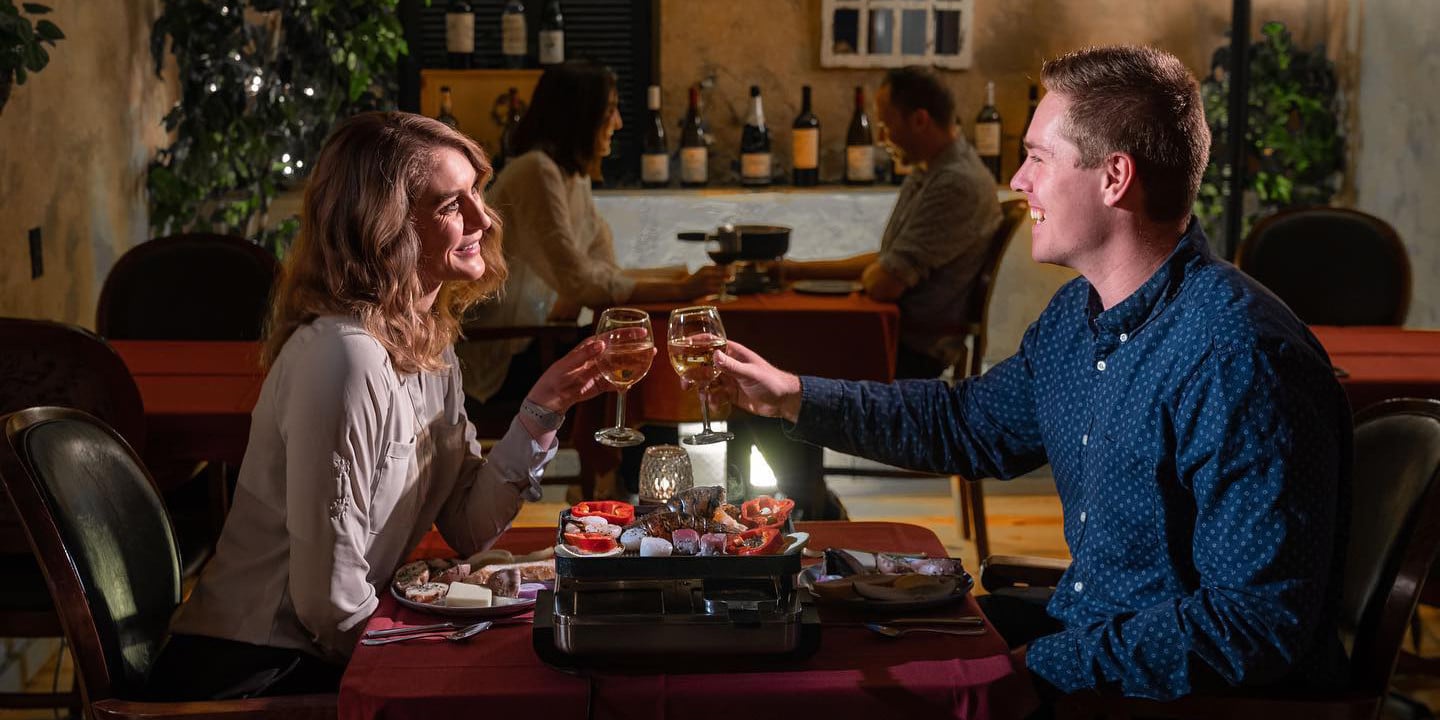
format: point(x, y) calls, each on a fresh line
point(765, 510)
point(615, 512)
point(755, 541)
point(591, 542)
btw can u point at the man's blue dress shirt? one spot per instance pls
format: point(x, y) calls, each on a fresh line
point(1201, 449)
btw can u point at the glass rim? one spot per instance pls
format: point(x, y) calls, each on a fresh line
point(694, 309)
point(624, 314)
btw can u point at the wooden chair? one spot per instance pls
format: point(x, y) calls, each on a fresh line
point(96, 522)
point(1332, 266)
point(968, 495)
point(195, 286)
point(50, 363)
point(1393, 542)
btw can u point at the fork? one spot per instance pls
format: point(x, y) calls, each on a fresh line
point(461, 634)
point(895, 632)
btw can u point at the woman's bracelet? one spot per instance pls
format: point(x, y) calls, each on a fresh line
point(546, 418)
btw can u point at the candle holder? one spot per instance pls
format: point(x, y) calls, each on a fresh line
point(664, 471)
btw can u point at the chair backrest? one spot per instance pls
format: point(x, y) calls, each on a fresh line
point(1332, 266)
point(188, 287)
point(1012, 213)
point(1394, 532)
point(99, 529)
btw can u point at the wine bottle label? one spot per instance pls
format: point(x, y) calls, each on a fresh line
point(552, 47)
point(460, 33)
point(987, 138)
point(755, 167)
point(860, 162)
point(807, 148)
point(655, 168)
point(512, 34)
point(693, 164)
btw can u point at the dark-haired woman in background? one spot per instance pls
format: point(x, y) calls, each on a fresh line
point(560, 251)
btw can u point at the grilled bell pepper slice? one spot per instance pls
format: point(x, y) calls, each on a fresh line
point(615, 512)
point(755, 541)
point(591, 542)
point(765, 510)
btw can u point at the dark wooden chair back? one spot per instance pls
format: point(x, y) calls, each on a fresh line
point(1332, 266)
point(188, 287)
point(1012, 212)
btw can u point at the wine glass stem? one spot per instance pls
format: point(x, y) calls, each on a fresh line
point(705, 409)
point(620, 408)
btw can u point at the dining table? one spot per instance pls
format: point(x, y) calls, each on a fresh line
point(855, 673)
point(1375, 363)
point(847, 335)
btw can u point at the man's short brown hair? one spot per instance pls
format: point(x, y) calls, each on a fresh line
point(1142, 102)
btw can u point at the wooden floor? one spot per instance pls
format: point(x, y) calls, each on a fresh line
point(1023, 519)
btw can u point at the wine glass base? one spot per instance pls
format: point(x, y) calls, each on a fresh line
point(707, 438)
point(619, 437)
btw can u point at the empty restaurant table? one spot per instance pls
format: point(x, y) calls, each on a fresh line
point(1378, 363)
point(855, 673)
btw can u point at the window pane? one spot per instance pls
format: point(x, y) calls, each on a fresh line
point(846, 32)
point(912, 32)
point(947, 32)
point(882, 32)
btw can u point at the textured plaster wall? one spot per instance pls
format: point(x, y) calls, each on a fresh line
point(74, 144)
point(1397, 171)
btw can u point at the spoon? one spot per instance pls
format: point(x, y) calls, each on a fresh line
point(458, 635)
point(894, 632)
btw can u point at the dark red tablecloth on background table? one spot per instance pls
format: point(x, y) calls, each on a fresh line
point(1383, 362)
point(855, 674)
point(838, 336)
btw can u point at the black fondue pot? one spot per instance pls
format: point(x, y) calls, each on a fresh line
point(757, 242)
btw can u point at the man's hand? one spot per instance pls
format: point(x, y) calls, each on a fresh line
point(755, 385)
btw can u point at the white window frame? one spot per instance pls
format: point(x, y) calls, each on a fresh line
point(863, 58)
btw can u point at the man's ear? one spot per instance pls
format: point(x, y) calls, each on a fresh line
point(1119, 185)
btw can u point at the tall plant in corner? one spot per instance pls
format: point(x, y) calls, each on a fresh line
point(1293, 148)
point(261, 83)
point(22, 45)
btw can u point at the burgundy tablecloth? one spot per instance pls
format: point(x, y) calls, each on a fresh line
point(839, 336)
point(855, 674)
point(1379, 363)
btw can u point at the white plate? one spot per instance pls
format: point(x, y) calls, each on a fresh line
point(826, 287)
point(502, 607)
point(797, 541)
point(808, 577)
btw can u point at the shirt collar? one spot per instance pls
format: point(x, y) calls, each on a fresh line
point(1150, 298)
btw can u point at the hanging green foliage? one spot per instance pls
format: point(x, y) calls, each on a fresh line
point(22, 45)
point(1293, 147)
point(261, 83)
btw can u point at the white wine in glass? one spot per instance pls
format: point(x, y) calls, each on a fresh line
point(629, 348)
point(695, 335)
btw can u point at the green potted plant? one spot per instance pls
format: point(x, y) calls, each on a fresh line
point(1293, 148)
point(22, 45)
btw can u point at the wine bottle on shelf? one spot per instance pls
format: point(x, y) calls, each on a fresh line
point(859, 145)
point(507, 134)
point(513, 43)
point(805, 143)
point(755, 144)
point(987, 132)
point(1029, 116)
point(694, 152)
point(459, 35)
point(447, 109)
point(654, 155)
point(552, 35)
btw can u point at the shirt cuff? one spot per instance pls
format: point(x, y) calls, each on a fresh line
point(820, 403)
point(520, 461)
point(1060, 661)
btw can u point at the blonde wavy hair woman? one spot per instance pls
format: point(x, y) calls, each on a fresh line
point(359, 441)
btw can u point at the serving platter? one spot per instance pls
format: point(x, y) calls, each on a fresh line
point(810, 575)
point(502, 607)
point(795, 542)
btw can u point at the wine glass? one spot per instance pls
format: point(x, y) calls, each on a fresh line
point(723, 247)
point(695, 335)
point(629, 348)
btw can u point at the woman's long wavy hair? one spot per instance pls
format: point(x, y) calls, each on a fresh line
point(358, 252)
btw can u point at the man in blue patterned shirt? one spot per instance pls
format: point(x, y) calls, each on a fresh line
point(1198, 438)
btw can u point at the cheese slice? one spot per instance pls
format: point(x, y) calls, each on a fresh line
point(468, 596)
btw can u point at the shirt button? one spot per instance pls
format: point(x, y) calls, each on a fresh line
point(1124, 337)
point(1083, 515)
point(1079, 587)
point(1100, 366)
point(1085, 439)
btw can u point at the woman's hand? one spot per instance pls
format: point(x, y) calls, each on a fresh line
point(571, 379)
point(755, 385)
